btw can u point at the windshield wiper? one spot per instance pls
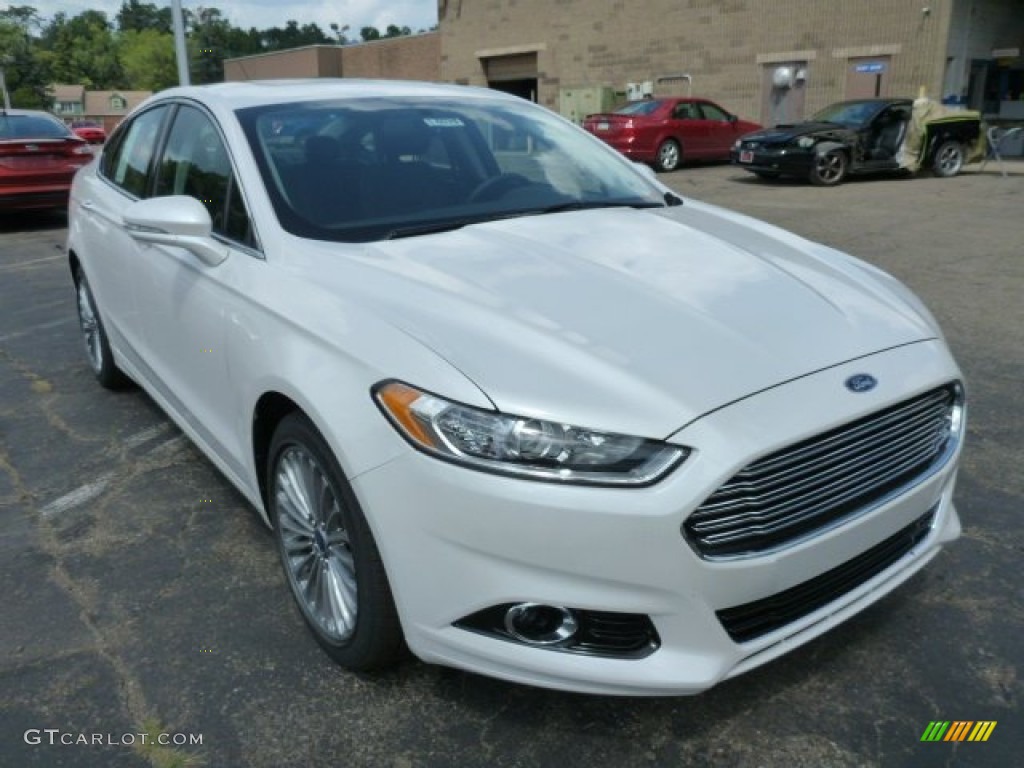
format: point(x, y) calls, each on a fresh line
point(428, 229)
point(584, 205)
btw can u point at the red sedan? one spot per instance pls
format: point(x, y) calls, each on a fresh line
point(90, 131)
point(664, 132)
point(39, 156)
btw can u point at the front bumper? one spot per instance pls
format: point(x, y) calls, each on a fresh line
point(457, 541)
point(781, 160)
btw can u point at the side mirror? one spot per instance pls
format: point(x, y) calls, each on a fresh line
point(176, 220)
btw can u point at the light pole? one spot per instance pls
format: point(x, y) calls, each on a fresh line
point(4, 61)
point(179, 42)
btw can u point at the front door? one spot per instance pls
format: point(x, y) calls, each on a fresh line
point(189, 305)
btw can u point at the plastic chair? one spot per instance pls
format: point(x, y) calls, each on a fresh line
point(997, 137)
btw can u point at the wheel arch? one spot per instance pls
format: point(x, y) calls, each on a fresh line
point(270, 409)
point(74, 264)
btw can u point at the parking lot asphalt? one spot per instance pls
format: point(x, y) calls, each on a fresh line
point(141, 594)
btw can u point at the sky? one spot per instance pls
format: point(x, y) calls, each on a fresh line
point(415, 14)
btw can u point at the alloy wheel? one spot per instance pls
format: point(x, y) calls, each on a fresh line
point(318, 555)
point(91, 333)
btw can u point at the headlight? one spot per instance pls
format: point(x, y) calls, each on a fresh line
point(736, 144)
point(530, 448)
point(805, 142)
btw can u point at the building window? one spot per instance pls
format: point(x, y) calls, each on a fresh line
point(117, 102)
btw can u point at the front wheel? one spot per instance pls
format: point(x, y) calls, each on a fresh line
point(829, 168)
point(670, 155)
point(949, 159)
point(329, 555)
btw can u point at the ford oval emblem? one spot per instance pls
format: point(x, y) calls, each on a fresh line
point(861, 382)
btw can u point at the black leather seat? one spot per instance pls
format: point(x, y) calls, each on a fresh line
point(404, 182)
point(325, 189)
point(890, 136)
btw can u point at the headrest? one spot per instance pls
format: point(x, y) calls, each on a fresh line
point(322, 149)
point(403, 136)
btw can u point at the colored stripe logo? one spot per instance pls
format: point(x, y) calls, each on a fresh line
point(958, 730)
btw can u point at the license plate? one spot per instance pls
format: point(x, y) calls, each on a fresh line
point(746, 156)
point(603, 126)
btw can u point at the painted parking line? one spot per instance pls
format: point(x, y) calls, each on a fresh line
point(89, 491)
point(79, 496)
point(40, 327)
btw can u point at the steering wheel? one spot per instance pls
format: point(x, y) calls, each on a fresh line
point(497, 186)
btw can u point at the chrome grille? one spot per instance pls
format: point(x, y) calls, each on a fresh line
point(818, 483)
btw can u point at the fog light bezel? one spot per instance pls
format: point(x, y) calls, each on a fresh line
point(568, 624)
point(604, 634)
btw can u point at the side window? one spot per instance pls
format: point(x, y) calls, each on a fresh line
point(684, 111)
point(128, 163)
point(711, 112)
point(195, 162)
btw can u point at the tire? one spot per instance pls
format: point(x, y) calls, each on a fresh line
point(948, 159)
point(94, 337)
point(330, 559)
point(670, 156)
point(829, 168)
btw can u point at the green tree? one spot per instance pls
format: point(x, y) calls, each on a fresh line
point(148, 59)
point(369, 33)
point(83, 50)
point(138, 17)
point(396, 31)
point(25, 71)
point(293, 36)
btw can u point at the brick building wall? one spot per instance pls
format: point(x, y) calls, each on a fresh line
point(414, 57)
point(726, 46)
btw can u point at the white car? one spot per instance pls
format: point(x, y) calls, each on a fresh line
point(504, 398)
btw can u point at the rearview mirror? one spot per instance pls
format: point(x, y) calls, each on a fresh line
point(176, 220)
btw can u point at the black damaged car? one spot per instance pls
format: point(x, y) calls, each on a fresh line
point(864, 136)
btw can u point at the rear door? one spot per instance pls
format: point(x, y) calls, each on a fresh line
point(686, 124)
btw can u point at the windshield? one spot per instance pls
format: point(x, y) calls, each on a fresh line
point(852, 114)
point(371, 169)
point(31, 127)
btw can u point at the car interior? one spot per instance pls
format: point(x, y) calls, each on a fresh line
point(889, 131)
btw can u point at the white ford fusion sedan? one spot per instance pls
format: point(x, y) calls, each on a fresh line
point(503, 398)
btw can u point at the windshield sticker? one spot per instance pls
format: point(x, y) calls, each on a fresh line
point(443, 122)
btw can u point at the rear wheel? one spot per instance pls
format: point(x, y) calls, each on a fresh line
point(331, 560)
point(94, 336)
point(829, 168)
point(949, 159)
point(670, 155)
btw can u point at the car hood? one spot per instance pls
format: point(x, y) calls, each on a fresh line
point(782, 134)
point(634, 321)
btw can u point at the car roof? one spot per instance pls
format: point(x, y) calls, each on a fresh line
point(239, 95)
point(879, 102)
point(25, 112)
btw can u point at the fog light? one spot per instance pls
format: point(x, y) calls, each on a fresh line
point(538, 624)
